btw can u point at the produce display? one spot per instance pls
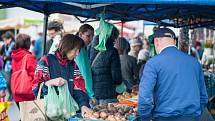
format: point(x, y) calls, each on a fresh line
point(126, 95)
point(112, 112)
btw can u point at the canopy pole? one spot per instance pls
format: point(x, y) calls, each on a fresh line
point(45, 33)
point(143, 28)
point(15, 32)
point(122, 29)
point(213, 52)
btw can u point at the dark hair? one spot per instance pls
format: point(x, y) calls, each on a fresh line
point(147, 42)
point(23, 41)
point(85, 27)
point(55, 25)
point(114, 33)
point(198, 44)
point(69, 42)
point(122, 45)
point(8, 35)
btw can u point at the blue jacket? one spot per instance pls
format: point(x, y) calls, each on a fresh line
point(38, 48)
point(174, 81)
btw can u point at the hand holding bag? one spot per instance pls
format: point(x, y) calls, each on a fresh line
point(33, 110)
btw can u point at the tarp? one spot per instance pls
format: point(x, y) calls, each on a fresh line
point(194, 2)
point(18, 23)
point(175, 13)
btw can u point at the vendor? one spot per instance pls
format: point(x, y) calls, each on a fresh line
point(58, 69)
point(174, 80)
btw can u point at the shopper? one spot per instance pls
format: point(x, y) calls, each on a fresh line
point(173, 81)
point(24, 66)
point(58, 69)
point(105, 63)
point(129, 66)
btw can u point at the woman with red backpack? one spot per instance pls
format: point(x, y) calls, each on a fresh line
point(23, 68)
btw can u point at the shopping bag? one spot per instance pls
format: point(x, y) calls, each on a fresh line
point(121, 88)
point(4, 106)
point(53, 107)
point(33, 110)
point(69, 105)
point(21, 81)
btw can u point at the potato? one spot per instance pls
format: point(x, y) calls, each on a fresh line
point(128, 96)
point(123, 119)
point(96, 114)
point(103, 115)
point(104, 110)
point(121, 111)
point(110, 117)
point(101, 119)
point(117, 114)
point(93, 117)
point(125, 93)
point(117, 118)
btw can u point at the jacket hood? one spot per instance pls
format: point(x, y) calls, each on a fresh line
point(18, 54)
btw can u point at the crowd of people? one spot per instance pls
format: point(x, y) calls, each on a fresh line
point(171, 84)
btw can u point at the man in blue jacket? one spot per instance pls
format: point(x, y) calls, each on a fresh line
point(172, 87)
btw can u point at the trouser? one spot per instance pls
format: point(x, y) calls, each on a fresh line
point(8, 78)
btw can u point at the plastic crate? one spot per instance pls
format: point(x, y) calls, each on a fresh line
point(78, 118)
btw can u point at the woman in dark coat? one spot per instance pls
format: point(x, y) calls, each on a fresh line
point(106, 69)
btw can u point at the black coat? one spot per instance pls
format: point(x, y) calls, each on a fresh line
point(106, 70)
point(129, 70)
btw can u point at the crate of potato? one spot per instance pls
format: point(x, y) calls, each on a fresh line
point(111, 112)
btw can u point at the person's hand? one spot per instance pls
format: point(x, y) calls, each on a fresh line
point(56, 82)
point(5, 58)
point(2, 93)
point(86, 112)
point(94, 101)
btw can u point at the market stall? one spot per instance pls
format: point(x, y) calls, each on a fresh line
point(179, 13)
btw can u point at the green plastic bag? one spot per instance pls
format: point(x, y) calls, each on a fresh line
point(121, 88)
point(69, 105)
point(104, 31)
point(53, 105)
point(83, 64)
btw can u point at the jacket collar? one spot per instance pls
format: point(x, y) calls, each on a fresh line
point(62, 61)
point(166, 47)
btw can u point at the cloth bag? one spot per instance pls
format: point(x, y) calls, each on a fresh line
point(33, 110)
point(21, 81)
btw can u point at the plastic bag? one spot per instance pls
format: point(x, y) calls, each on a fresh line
point(121, 88)
point(104, 31)
point(69, 105)
point(4, 106)
point(83, 63)
point(53, 105)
